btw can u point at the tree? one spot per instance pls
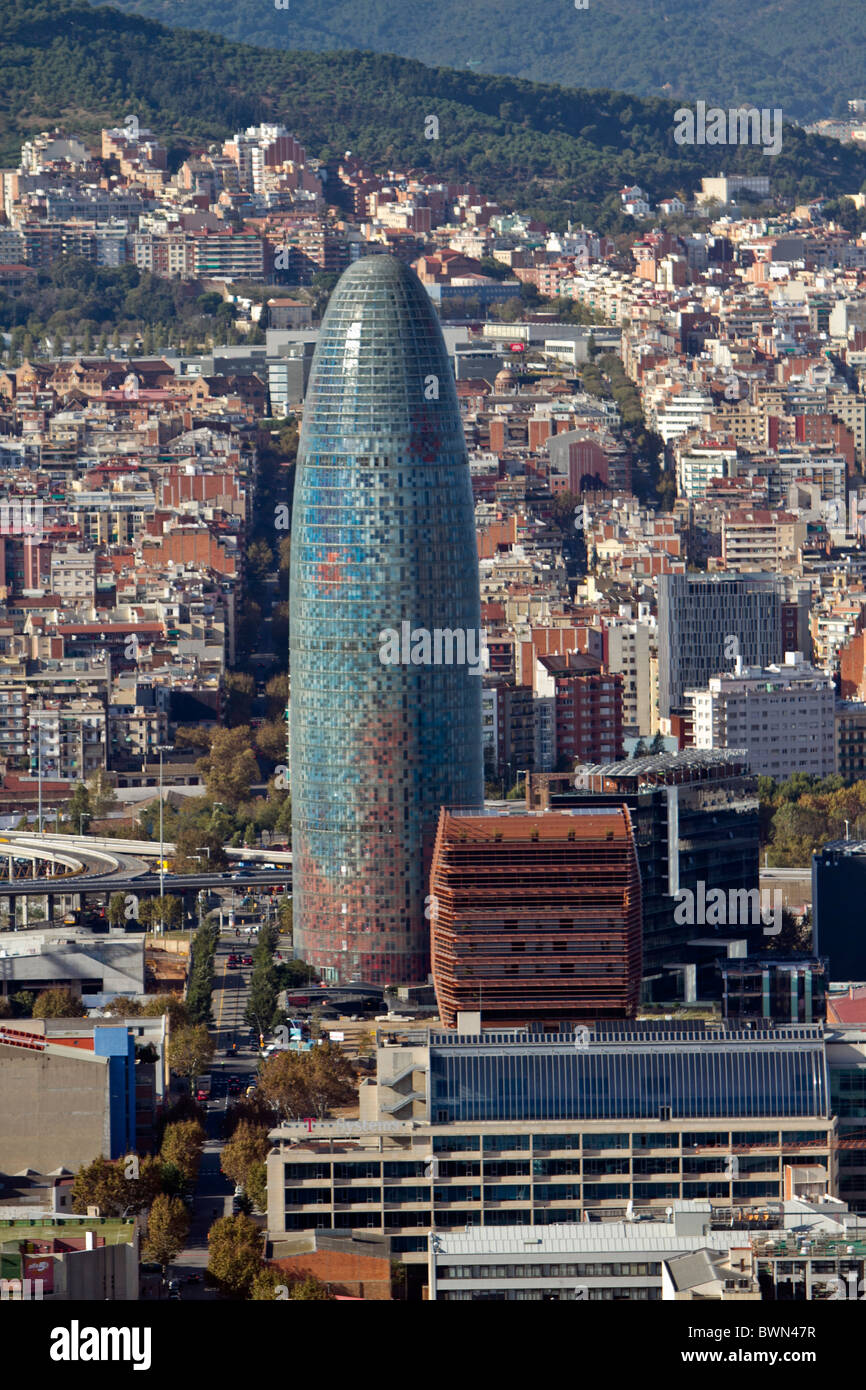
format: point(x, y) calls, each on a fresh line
point(182, 1145)
point(79, 808)
point(167, 1230)
point(230, 769)
point(248, 1146)
point(240, 691)
point(196, 850)
point(277, 692)
point(290, 974)
point(268, 1285)
point(121, 1187)
point(167, 910)
point(194, 736)
point(101, 794)
point(262, 1000)
point(190, 1051)
point(22, 1003)
point(309, 1289)
point(286, 916)
point(99, 1184)
point(117, 909)
point(260, 560)
point(271, 740)
point(301, 1084)
point(235, 1244)
point(123, 1006)
point(170, 1004)
point(257, 1185)
point(59, 1002)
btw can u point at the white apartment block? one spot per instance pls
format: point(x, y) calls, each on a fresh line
point(631, 650)
point(679, 414)
point(761, 540)
point(73, 574)
point(697, 468)
point(67, 740)
point(784, 715)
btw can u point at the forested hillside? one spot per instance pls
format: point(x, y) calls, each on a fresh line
point(805, 57)
point(553, 152)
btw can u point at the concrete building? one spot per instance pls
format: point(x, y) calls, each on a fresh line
point(71, 1259)
point(838, 889)
point(39, 959)
point(65, 1102)
point(514, 1129)
point(288, 375)
point(784, 716)
point(68, 740)
point(851, 739)
point(597, 1261)
point(699, 464)
point(681, 413)
point(73, 575)
point(586, 707)
point(695, 814)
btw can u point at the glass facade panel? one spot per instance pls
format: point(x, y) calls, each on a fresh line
point(699, 1075)
point(383, 547)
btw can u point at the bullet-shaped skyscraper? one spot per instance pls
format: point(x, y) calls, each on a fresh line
point(386, 649)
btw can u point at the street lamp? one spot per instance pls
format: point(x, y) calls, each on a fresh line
point(161, 748)
point(39, 757)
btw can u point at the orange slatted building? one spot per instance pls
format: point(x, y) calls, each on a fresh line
point(536, 916)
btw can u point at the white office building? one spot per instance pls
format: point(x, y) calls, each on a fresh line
point(784, 715)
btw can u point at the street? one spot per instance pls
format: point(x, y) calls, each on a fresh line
point(214, 1191)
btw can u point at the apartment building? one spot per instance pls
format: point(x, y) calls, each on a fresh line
point(761, 540)
point(67, 740)
point(631, 651)
point(586, 704)
point(784, 716)
point(228, 256)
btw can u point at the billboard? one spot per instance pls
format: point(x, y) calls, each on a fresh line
point(39, 1267)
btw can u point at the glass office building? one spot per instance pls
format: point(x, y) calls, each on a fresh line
point(385, 628)
point(634, 1073)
